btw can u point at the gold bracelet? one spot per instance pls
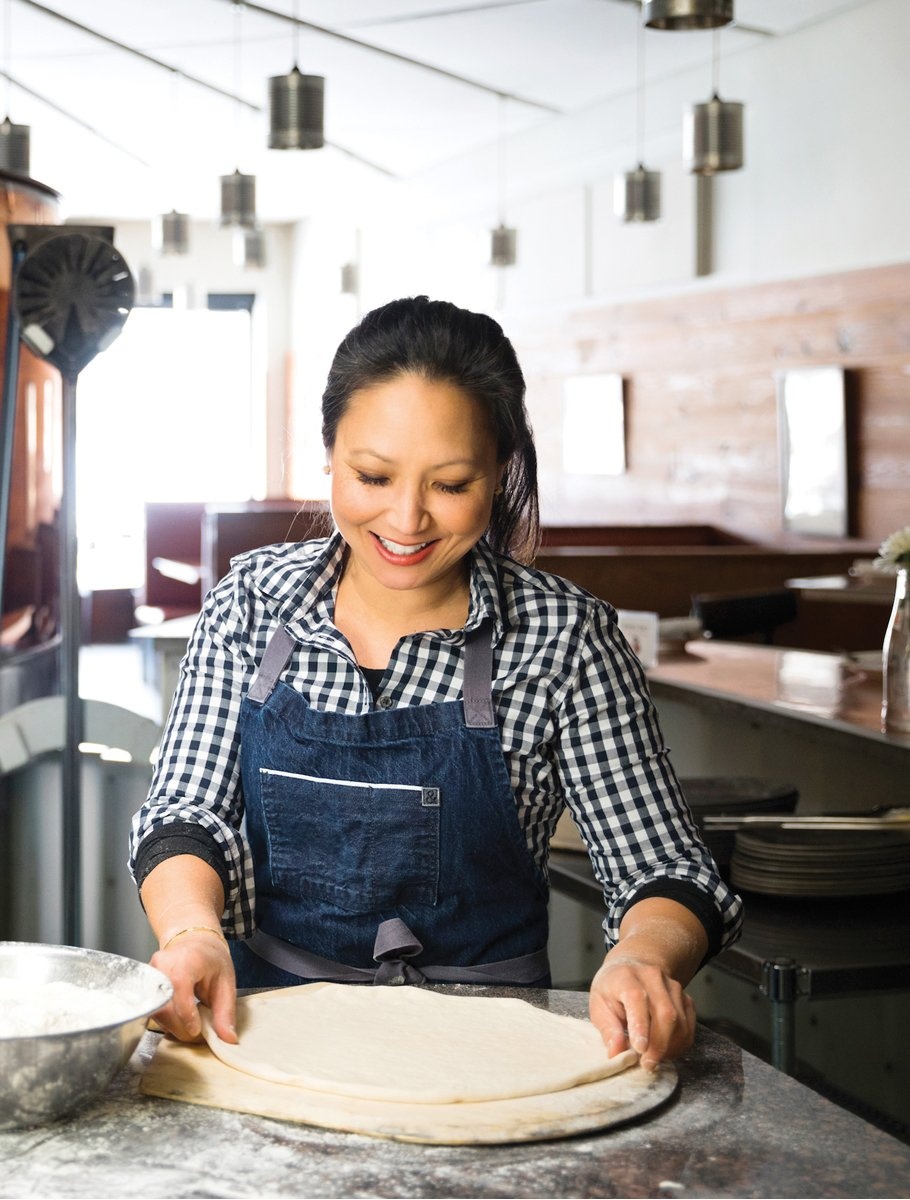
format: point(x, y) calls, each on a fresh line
point(193, 929)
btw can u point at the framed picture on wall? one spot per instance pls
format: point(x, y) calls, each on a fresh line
point(812, 417)
point(593, 426)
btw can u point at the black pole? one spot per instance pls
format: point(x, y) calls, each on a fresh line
point(71, 630)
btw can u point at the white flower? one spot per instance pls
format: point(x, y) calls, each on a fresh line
point(894, 552)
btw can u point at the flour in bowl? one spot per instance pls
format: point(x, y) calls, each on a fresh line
point(29, 1009)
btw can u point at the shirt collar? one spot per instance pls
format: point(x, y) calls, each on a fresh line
point(307, 598)
point(487, 601)
point(302, 585)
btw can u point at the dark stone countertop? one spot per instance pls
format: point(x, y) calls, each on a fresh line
point(736, 1127)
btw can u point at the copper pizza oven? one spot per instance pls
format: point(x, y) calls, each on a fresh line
point(30, 482)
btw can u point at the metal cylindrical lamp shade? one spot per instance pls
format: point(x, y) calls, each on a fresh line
point(713, 136)
point(636, 195)
point(249, 248)
point(145, 288)
point(173, 233)
point(238, 200)
point(686, 14)
point(296, 111)
point(503, 246)
point(349, 279)
point(14, 148)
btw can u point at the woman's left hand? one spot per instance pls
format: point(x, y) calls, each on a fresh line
point(634, 1003)
point(637, 998)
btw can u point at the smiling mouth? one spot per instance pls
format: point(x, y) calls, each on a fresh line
point(399, 548)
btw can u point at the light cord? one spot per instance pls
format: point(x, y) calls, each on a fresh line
point(501, 160)
point(640, 94)
point(715, 64)
point(7, 43)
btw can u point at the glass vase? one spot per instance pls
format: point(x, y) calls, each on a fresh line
point(896, 661)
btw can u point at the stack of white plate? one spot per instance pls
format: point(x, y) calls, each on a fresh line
point(821, 862)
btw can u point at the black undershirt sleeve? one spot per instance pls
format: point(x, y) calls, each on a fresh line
point(180, 837)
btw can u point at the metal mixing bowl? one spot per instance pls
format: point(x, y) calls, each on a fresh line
point(50, 1076)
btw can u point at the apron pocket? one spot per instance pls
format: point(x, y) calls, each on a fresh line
point(361, 846)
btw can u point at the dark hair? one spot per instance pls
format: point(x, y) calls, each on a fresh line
point(439, 341)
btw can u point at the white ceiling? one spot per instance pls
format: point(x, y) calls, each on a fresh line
point(557, 56)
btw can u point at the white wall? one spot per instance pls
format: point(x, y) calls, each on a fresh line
point(825, 188)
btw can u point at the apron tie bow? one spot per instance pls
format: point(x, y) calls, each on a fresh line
point(394, 944)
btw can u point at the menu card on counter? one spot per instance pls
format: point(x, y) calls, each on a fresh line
point(640, 629)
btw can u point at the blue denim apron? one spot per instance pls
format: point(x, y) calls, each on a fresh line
point(386, 845)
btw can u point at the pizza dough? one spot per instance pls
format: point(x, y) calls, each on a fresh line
point(191, 1074)
point(411, 1045)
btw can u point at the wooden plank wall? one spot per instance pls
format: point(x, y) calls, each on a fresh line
point(700, 372)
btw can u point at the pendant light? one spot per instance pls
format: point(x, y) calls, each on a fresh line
point(14, 147)
point(636, 193)
point(686, 14)
point(172, 233)
point(14, 139)
point(503, 246)
point(238, 200)
point(713, 131)
point(296, 106)
point(503, 239)
point(295, 111)
point(636, 196)
point(249, 248)
point(146, 295)
point(238, 191)
point(350, 269)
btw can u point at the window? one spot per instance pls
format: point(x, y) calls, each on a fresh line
point(163, 414)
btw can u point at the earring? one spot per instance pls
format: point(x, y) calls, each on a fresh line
point(327, 470)
point(497, 491)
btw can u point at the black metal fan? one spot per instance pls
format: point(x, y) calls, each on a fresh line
point(72, 293)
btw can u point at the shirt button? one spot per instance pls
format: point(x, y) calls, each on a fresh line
point(384, 702)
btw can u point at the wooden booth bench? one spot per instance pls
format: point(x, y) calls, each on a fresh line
point(660, 568)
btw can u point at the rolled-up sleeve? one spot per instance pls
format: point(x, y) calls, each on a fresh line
point(623, 793)
point(196, 788)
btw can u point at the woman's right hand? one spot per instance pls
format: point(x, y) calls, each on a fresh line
point(199, 967)
point(183, 898)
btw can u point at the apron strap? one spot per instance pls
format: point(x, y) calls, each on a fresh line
point(395, 943)
point(279, 649)
point(478, 673)
point(297, 961)
point(478, 679)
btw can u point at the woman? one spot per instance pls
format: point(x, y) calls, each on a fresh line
point(375, 733)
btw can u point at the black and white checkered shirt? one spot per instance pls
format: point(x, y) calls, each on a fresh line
point(578, 727)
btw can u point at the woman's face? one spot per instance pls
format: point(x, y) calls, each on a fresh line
point(413, 474)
